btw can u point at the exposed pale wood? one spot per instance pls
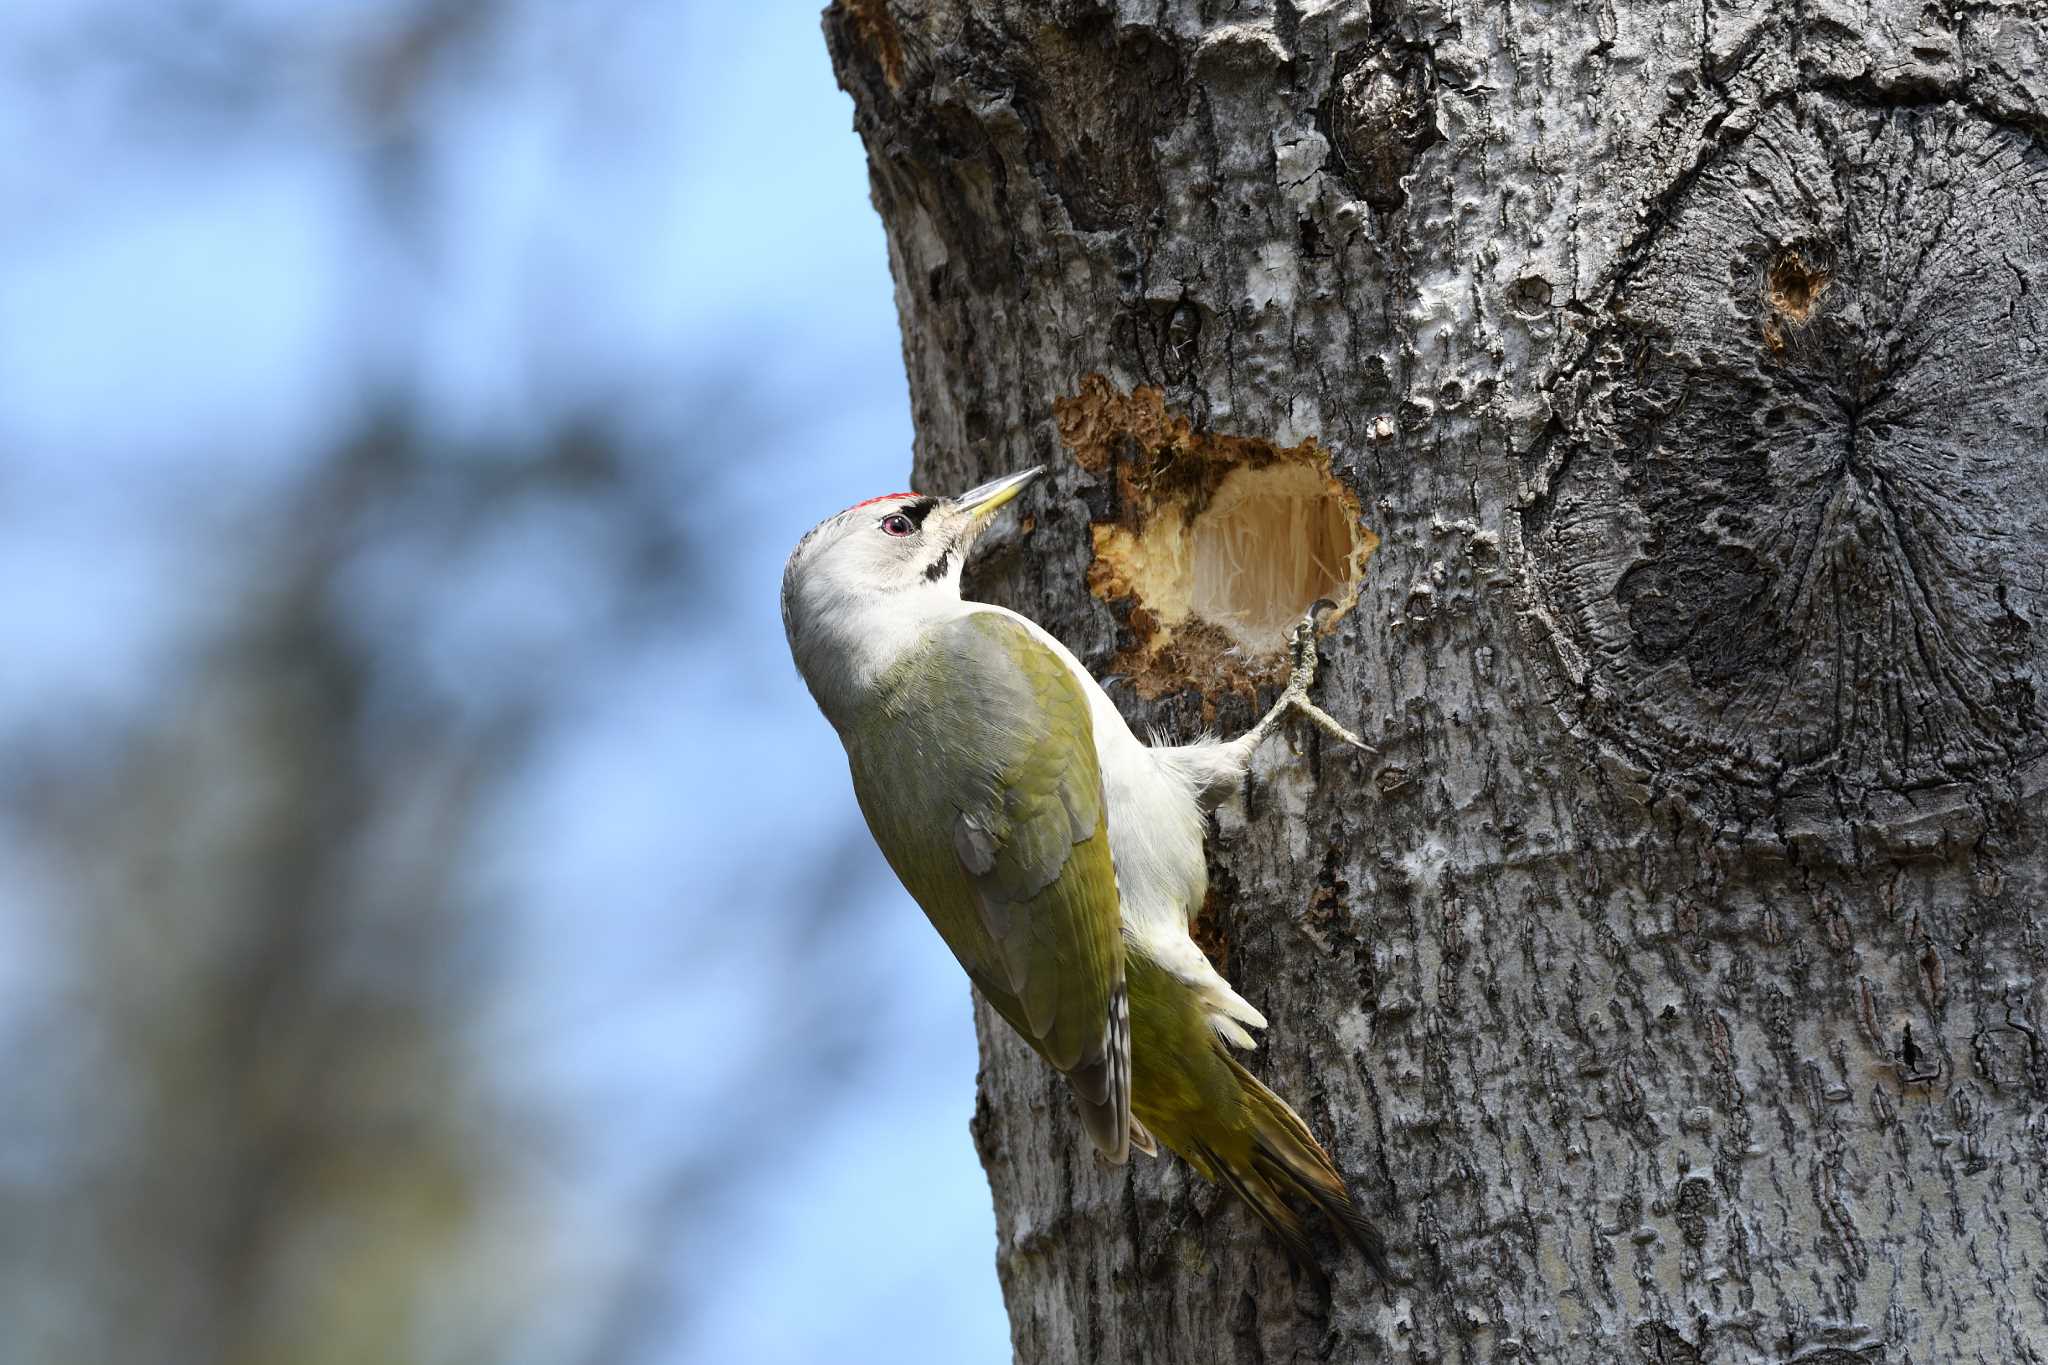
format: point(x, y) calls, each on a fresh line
point(1670, 983)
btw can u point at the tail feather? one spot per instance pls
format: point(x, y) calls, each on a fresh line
point(1285, 1158)
point(1357, 1229)
point(1273, 1157)
point(1264, 1200)
point(1335, 1204)
point(1194, 1097)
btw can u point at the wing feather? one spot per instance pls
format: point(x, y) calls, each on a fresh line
point(980, 779)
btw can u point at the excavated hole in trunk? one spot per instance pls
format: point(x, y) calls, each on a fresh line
point(1209, 546)
point(1270, 543)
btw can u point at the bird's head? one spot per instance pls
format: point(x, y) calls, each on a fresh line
point(860, 579)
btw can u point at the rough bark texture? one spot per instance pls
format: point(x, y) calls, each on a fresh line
point(1671, 983)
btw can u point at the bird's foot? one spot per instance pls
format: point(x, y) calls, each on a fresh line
point(1302, 676)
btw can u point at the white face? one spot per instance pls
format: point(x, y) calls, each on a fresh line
point(885, 543)
point(882, 548)
point(890, 547)
point(867, 585)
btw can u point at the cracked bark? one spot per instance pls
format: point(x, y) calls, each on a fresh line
point(1670, 983)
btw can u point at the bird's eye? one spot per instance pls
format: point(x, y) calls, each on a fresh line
point(896, 524)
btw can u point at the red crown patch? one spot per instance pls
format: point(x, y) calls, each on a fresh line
point(886, 497)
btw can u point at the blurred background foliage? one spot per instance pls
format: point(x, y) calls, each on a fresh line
point(434, 925)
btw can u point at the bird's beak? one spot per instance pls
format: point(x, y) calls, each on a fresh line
point(981, 503)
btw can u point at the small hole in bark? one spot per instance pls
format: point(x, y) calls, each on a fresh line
point(1530, 295)
point(1794, 288)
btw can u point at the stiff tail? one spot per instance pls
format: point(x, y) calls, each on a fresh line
point(1192, 1095)
point(1282, 1158)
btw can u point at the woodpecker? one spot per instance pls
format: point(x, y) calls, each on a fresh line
point(1059, 857)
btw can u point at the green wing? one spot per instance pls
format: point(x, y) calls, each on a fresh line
point(978, 774)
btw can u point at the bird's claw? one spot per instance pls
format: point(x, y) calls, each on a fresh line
point(1330, 725)
point(1302, 643)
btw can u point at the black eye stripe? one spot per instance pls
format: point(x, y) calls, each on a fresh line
point(918, 509)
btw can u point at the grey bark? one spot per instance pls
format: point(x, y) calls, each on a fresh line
point(1670, 983)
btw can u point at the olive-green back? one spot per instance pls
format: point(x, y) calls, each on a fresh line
point(977, 771)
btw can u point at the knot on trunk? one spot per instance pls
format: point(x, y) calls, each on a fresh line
point(1789, 531)
point(1382, 116)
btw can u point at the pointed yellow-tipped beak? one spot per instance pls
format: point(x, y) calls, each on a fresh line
point(982, 502)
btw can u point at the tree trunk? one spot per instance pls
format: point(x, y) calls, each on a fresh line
point(1669, 982)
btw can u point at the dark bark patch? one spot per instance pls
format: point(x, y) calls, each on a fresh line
point(1207, 930)
point(1381, 115)
point(1093, 94)
point(1790, 531)
point(1662, 1344)
point(1163, 340)
point(1209, 546)
point(876, 32)
point(1914, 1064)
point(1696, 1205)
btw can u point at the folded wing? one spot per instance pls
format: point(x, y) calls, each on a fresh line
point(981, 783)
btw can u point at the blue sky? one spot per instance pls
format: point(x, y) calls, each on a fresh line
point(652, 208)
